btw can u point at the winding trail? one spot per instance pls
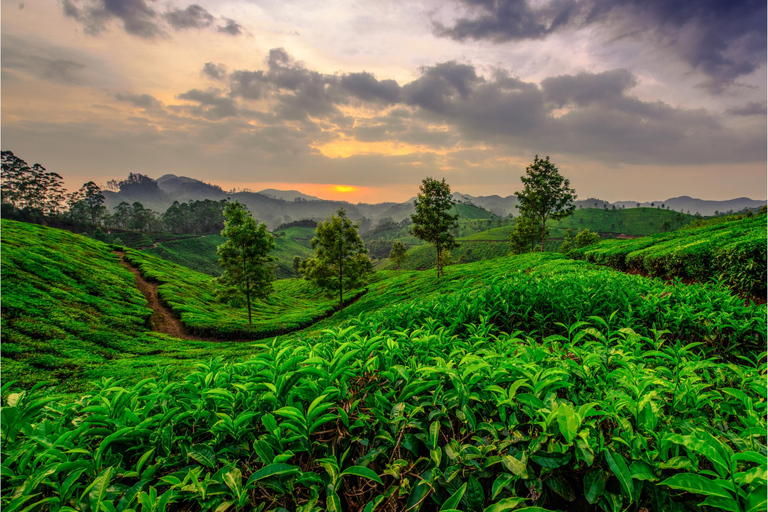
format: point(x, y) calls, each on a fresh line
point(164, 321)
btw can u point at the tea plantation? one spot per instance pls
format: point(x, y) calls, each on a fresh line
point(529, 383)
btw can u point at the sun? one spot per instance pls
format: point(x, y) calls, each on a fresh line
point(344, 188)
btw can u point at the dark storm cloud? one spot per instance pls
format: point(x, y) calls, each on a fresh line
point(139, 19)
point(450, 105)
point(586, 88)
point(193, 16)
point(215, 71)
point(211, 105)
point(724, 39)
point(364, 86)
point(299, 91)
point(441, 83)
point(753, 108)
point(230, 27)
point(146, 101)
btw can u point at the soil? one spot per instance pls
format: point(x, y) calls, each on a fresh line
point(162, 319)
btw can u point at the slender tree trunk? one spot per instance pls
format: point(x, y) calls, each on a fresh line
point(341, 285)
point(437, 248)
point(543, 231)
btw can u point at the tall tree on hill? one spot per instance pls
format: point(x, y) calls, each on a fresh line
point(341, 260)
point(86, 205)
point(432, 222)
point(244, 257)
point(546, 195)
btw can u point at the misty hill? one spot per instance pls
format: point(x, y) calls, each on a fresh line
point(287, 195)
point(276, 207)
point(702, 206)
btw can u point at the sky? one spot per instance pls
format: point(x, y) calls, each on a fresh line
point(632, 99)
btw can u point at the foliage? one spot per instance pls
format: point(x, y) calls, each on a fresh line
point(33, 192)
point(72, 314)
point(86, 205)
point(475, 400)
point(545, 195)
point(733, 251)
point(340, 260)
point(432, 221)
point(397, 254)
point(203, 217)
point(584, 238)
point(523, 236)
point(244, 257)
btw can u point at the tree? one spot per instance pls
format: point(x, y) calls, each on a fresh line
point(585, 238)
point(397, 254)
point(432, 222)
point(522, 238)
point(546, 194)
point(244, 257)
point(87, 205)
point(341, 260)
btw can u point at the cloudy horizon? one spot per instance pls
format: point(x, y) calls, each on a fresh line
point(357, 101)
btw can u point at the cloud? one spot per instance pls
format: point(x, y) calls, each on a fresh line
point(145, 101)
point(215, 71)
point(230, 27)
point(137, 17)
point(366, 87)
point(586, 88)
point(48, 63)
point(193, 16)
point(753, 108)
point(451, 106)
point(211, 105)
point(141, 20)
point(724, 40)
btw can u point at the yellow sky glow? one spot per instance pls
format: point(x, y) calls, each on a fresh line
point(344, 188)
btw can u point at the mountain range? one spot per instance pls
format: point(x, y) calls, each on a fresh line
point(281, 206)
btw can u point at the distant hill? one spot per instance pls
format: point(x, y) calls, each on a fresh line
point(276, 207)
point(287, 195)
point(702, 206)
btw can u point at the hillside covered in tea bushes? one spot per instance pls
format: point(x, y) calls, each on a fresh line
point(526, 383)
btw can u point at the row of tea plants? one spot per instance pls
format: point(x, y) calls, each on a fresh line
point(544, 389)
point(733, 251)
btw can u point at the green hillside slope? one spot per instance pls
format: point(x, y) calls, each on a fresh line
point(199, 254)
point(71, 313)
point(733, 251)
point(535, 372)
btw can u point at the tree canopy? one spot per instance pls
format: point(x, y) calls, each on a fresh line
point(546, 194)
point(432, 221)
point(341, 260)
point(244, 257)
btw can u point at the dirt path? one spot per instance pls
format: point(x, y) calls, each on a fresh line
point(162, 319)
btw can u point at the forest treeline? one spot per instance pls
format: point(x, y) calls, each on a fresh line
point(34, 194)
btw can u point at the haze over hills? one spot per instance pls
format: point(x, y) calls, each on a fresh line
point(281, 206)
